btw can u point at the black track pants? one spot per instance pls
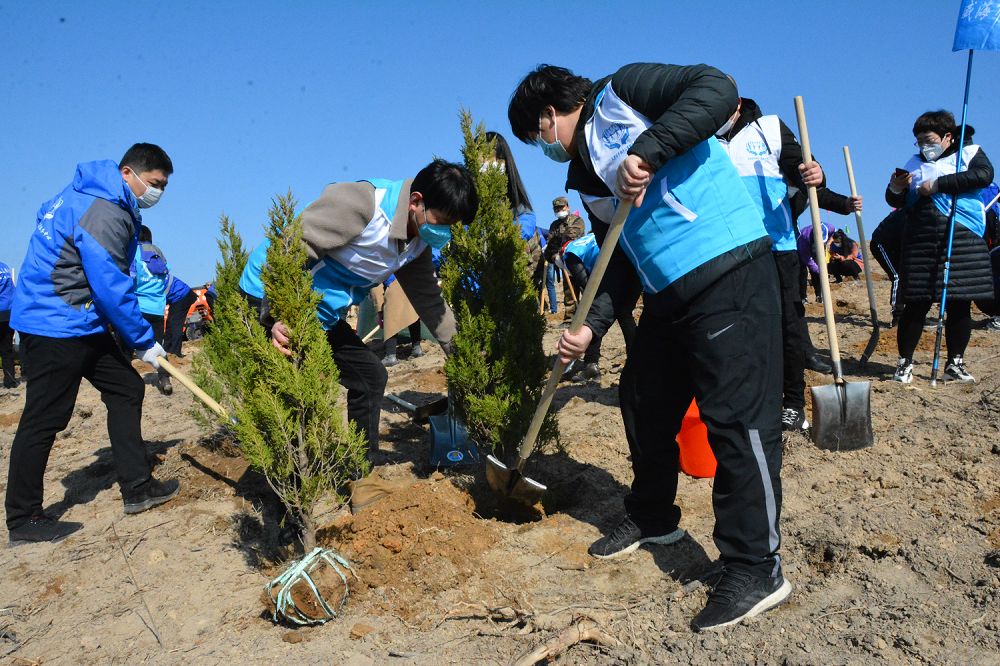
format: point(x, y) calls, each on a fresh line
point(724, 348)
point(364, 377)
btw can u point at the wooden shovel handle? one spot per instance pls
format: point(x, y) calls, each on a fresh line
point(191, 386)
point(580, 316)
point(824, 278)
point(865, 250)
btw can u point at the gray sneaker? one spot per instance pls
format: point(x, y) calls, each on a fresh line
point(955, 371)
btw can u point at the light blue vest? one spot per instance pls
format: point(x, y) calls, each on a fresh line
point(151, 290)
point(971, 212)
point(696, 208)
point(755, 152)
point(586, 248)
point(250, 281)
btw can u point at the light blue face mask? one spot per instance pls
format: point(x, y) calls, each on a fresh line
point(435, 235)
point(554, 151)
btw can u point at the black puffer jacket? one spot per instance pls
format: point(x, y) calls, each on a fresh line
point(925, 242)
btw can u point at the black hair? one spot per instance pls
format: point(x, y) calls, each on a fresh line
point(516, 194)
point(940, 122)
point(145, 234)
point(143, 157)
point(547, 85)
point(449, 188)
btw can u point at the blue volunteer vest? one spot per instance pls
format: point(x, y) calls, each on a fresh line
point(971, 212)
point(586, 248)
point(695, 209)
point(345, 275)
point(755, 152)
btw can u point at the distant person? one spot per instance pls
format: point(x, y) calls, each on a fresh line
point(6, 332)
point(395, 313)
point(845, 260)
point(74, 285)
point(564, 228)
point(358, 234)
point(520, 204)
point(180, 298)
point(925, 188)
point(807, 254)
point(151, 273)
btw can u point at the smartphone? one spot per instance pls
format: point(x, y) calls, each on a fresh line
point(901, 172)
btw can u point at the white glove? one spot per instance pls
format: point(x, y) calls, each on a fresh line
point(152, 354)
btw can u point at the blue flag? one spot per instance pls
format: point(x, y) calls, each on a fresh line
point(978, 26)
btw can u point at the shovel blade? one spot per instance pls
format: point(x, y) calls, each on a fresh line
point(842, 417)
point(511, 483)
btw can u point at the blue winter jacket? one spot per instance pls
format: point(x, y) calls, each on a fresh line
point(6, 291)
point(75, 277)
point(176, 289)
point(151, 274)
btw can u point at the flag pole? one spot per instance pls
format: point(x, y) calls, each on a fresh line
point(951, 229)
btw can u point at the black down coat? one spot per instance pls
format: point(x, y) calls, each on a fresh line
point(925, 244)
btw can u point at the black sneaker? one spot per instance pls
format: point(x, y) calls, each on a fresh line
point(11, 383)
point(792, 420)
point(41, 528)
point(416, 351)
point(816, 364)
point(739, 594)
point(955, 371)
point(163, 383)
point(150, 494)
point(390, 360)
point(627, 537)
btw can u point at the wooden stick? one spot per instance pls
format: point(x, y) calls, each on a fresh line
point(541, 292)
point(371, 334)
point(569, 283)
point(191, 386)
point(582, 631)
point(817, 226)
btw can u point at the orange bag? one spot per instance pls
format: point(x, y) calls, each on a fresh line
point(696, 455)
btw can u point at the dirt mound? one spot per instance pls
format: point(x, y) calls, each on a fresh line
point(412, 545)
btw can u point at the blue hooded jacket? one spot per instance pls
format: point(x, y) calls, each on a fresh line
point(75, 277)
point(176, 289)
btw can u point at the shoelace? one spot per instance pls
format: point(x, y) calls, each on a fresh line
point(624, 529)
point(789, 416)
point(731, 586)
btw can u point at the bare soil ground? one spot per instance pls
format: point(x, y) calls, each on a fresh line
point(894, 551)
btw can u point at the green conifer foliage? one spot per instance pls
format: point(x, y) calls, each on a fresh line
point(286, 413)
point(497, 370)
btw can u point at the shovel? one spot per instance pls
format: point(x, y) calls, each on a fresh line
point(842, 418)
point(510, 481)
point(450, 443)
point(191, 386)
point(423, 412)
point(873, 340)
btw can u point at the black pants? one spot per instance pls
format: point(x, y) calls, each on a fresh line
point(413, 330)
point(957, 327)
point(7, 352)
point(885, 259)
point(364, 377)
point(626, 320)
point(794, 332)
point(723, 349)
point(173, 334)
point(57, 366)
point(841, 268)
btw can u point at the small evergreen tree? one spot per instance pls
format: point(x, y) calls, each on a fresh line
point(285, 410)
point(497, 370)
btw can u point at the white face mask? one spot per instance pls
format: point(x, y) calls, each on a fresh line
point(931, 151)
point(563, 214)
point(493, 165)
point(151, 196)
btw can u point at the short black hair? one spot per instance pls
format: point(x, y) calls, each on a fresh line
point(547, 85)
point(145, 234)
point(143, 157)
point(516, 192)
point(449, 188)
point(940, 122)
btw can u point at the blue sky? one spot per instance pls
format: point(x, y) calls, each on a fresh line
point(251, 98)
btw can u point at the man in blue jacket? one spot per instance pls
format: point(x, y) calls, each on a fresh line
point(6, 332)
point(151, 274)
point(73, 288)
point(710, 327)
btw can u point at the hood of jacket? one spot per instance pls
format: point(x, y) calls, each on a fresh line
point(103, 179)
